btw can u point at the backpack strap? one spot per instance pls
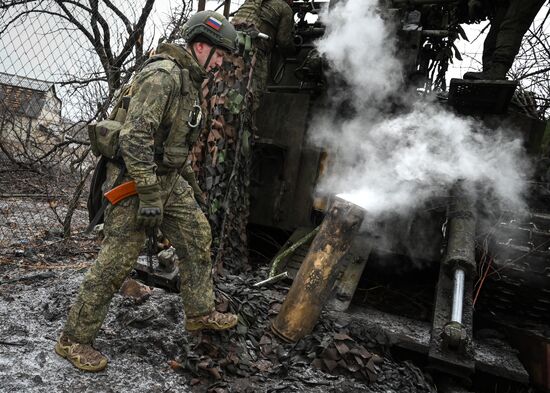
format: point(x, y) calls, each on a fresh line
point(184, 74)
point(97, 203)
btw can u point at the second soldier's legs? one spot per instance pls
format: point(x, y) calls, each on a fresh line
point(490, 42)
point(516, 22)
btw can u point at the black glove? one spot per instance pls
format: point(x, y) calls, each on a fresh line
point(149, 214)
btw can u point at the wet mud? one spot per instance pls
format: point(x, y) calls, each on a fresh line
point(150, 351)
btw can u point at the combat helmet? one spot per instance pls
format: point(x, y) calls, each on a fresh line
point(212, 26)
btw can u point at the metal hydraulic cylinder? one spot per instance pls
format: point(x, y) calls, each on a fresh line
point(458, 296)
point(460, 264)
point(318, 273)
point(451, 346)
point(461, 244)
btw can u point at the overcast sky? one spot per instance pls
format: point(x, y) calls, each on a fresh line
point(41, 47)
point(49, 48)
point(37, 47)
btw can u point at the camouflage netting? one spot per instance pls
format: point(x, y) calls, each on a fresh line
point(221, 158)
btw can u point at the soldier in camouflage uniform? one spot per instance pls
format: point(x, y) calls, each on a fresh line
point(274, 18)
point(154, 142)
point(510, 22)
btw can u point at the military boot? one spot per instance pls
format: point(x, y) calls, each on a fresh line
point(82, 356)
point(496, 71)
point(213, 321)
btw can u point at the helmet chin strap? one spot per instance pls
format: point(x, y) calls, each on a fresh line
point(212, 51)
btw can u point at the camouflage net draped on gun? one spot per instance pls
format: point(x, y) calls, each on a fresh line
point(221, 158)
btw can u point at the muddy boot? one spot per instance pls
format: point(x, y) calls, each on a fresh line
point(213, 321)
point(82, 356)
point(475, 75)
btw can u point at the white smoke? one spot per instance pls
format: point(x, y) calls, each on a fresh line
point(360, 44)
point(395, 163)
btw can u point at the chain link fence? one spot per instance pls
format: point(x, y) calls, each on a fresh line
point(61, 63)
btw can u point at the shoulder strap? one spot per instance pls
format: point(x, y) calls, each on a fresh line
point(184, 73)
point(123, 98)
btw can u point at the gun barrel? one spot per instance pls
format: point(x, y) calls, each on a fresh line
point(435, 33)
point(311, 32)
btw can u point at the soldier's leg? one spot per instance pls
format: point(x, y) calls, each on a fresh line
point(119, 252)
point(187, 228)
point(516, 22)
point(490, 42)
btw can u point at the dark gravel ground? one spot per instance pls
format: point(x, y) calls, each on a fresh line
point(150, 351)
point(146, 343)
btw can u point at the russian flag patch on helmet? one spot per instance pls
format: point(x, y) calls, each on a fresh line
point(214, 23)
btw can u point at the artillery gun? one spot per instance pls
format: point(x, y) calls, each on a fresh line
point(443, 249)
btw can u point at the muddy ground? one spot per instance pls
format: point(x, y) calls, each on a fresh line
point(150, 351)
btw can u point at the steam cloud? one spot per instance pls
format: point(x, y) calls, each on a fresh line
point(396, 163)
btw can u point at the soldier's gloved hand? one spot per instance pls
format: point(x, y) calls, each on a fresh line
point(149, 214)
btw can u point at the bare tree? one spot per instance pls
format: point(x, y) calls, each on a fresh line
point(87, 17)
point(177, 18)
point(532, 66)
point(110, 46)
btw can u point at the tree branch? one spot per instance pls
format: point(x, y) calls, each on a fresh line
point(70, 17)
point(28, 12)
point(95, 19)
point(133, 39)
point(538, 72)
point(83, 82)
point(5, 5)
point(120, 14)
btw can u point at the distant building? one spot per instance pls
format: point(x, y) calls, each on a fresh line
point(28, 107)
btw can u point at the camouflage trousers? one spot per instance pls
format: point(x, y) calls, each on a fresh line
point(510, 23)
point(184, 224)
point(258, 83)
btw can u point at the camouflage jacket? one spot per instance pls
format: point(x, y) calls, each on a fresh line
point(156, 136)
point(272, 17)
